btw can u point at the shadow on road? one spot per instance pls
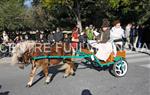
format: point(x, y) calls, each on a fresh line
point(86, 92)
point(94, 66)
point(53, 70)
point(4, 93)
point(148, 53)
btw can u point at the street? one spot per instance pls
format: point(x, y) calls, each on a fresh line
point(87, 81)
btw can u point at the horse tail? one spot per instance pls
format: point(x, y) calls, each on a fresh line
point(14, 59)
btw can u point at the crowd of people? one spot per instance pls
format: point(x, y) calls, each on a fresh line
point(129, 37)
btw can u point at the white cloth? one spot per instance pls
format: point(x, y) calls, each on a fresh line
point(5, 37)
point(96, 33)
point(127, 31)
point(104, 49)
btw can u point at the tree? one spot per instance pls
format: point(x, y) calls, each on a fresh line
point(137, 11)
point(11, 12)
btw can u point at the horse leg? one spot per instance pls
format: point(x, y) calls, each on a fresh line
point(32, 74)
point(45, 71)
point(69, 69)
point(72, 68)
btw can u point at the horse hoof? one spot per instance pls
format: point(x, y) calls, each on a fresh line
point(64, 76)
point(28, 86)
point(47, 83)
point(21, 67)
point(73, 74)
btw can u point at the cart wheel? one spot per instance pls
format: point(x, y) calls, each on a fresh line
point(120, 68)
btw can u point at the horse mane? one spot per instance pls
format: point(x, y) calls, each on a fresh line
point(20, 49)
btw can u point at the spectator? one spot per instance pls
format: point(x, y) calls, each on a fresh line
point(17, 39)
point(66, 39)
point(127, 35)
point(26, 36)
point(51, 37)
point(133, 34)
point(140, 36)
point(42, 37)
point(1, 41)
point(5, 37)
point(75, 37)
point(96, 33)
point(89, 33)
point(58, 36)
point(37, 36)
point(82, 37)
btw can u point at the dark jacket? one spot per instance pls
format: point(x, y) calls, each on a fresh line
point(37, 36)
point(133, 32)
point(82, 38)
point(103, 37)
point(50, 38)
point(67, 40)
point(58, 36)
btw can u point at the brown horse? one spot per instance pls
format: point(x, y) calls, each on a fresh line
point(25, 51)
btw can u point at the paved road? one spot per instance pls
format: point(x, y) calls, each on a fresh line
point(87, 80)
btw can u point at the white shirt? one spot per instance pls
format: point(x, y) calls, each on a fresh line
point(5, 37)
point(116, 33)
point(96, 33)
point(127, 31)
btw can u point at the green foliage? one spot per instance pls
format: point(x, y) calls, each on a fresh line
point(11, 11)
point(48, 14)
point(116, 3)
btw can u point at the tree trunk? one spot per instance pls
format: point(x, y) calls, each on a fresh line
point(79, 23)
point(77, 14)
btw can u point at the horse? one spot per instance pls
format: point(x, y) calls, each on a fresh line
point(24, 52)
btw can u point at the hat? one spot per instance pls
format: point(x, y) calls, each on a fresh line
point(105, 23)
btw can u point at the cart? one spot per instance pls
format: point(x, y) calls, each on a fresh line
point(118, 65)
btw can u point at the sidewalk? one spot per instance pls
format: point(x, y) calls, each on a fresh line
point(142, 50)
point(5, 60)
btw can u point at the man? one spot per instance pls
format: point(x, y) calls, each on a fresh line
point(58, 36)
point(89, 33)
point(127, 34)
point(51, 37)
point(5, 37)
point(133, 35)
point(37, 35)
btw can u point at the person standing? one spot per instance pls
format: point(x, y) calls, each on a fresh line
point(37, 36)
point(140, 36)
point(127, 35)
point(17, 39)
point(51, 37)
point(66, 39)
point(5, 37)
point(89, 33)
point(133, 34)
point(58, 36)
point(75, 38)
